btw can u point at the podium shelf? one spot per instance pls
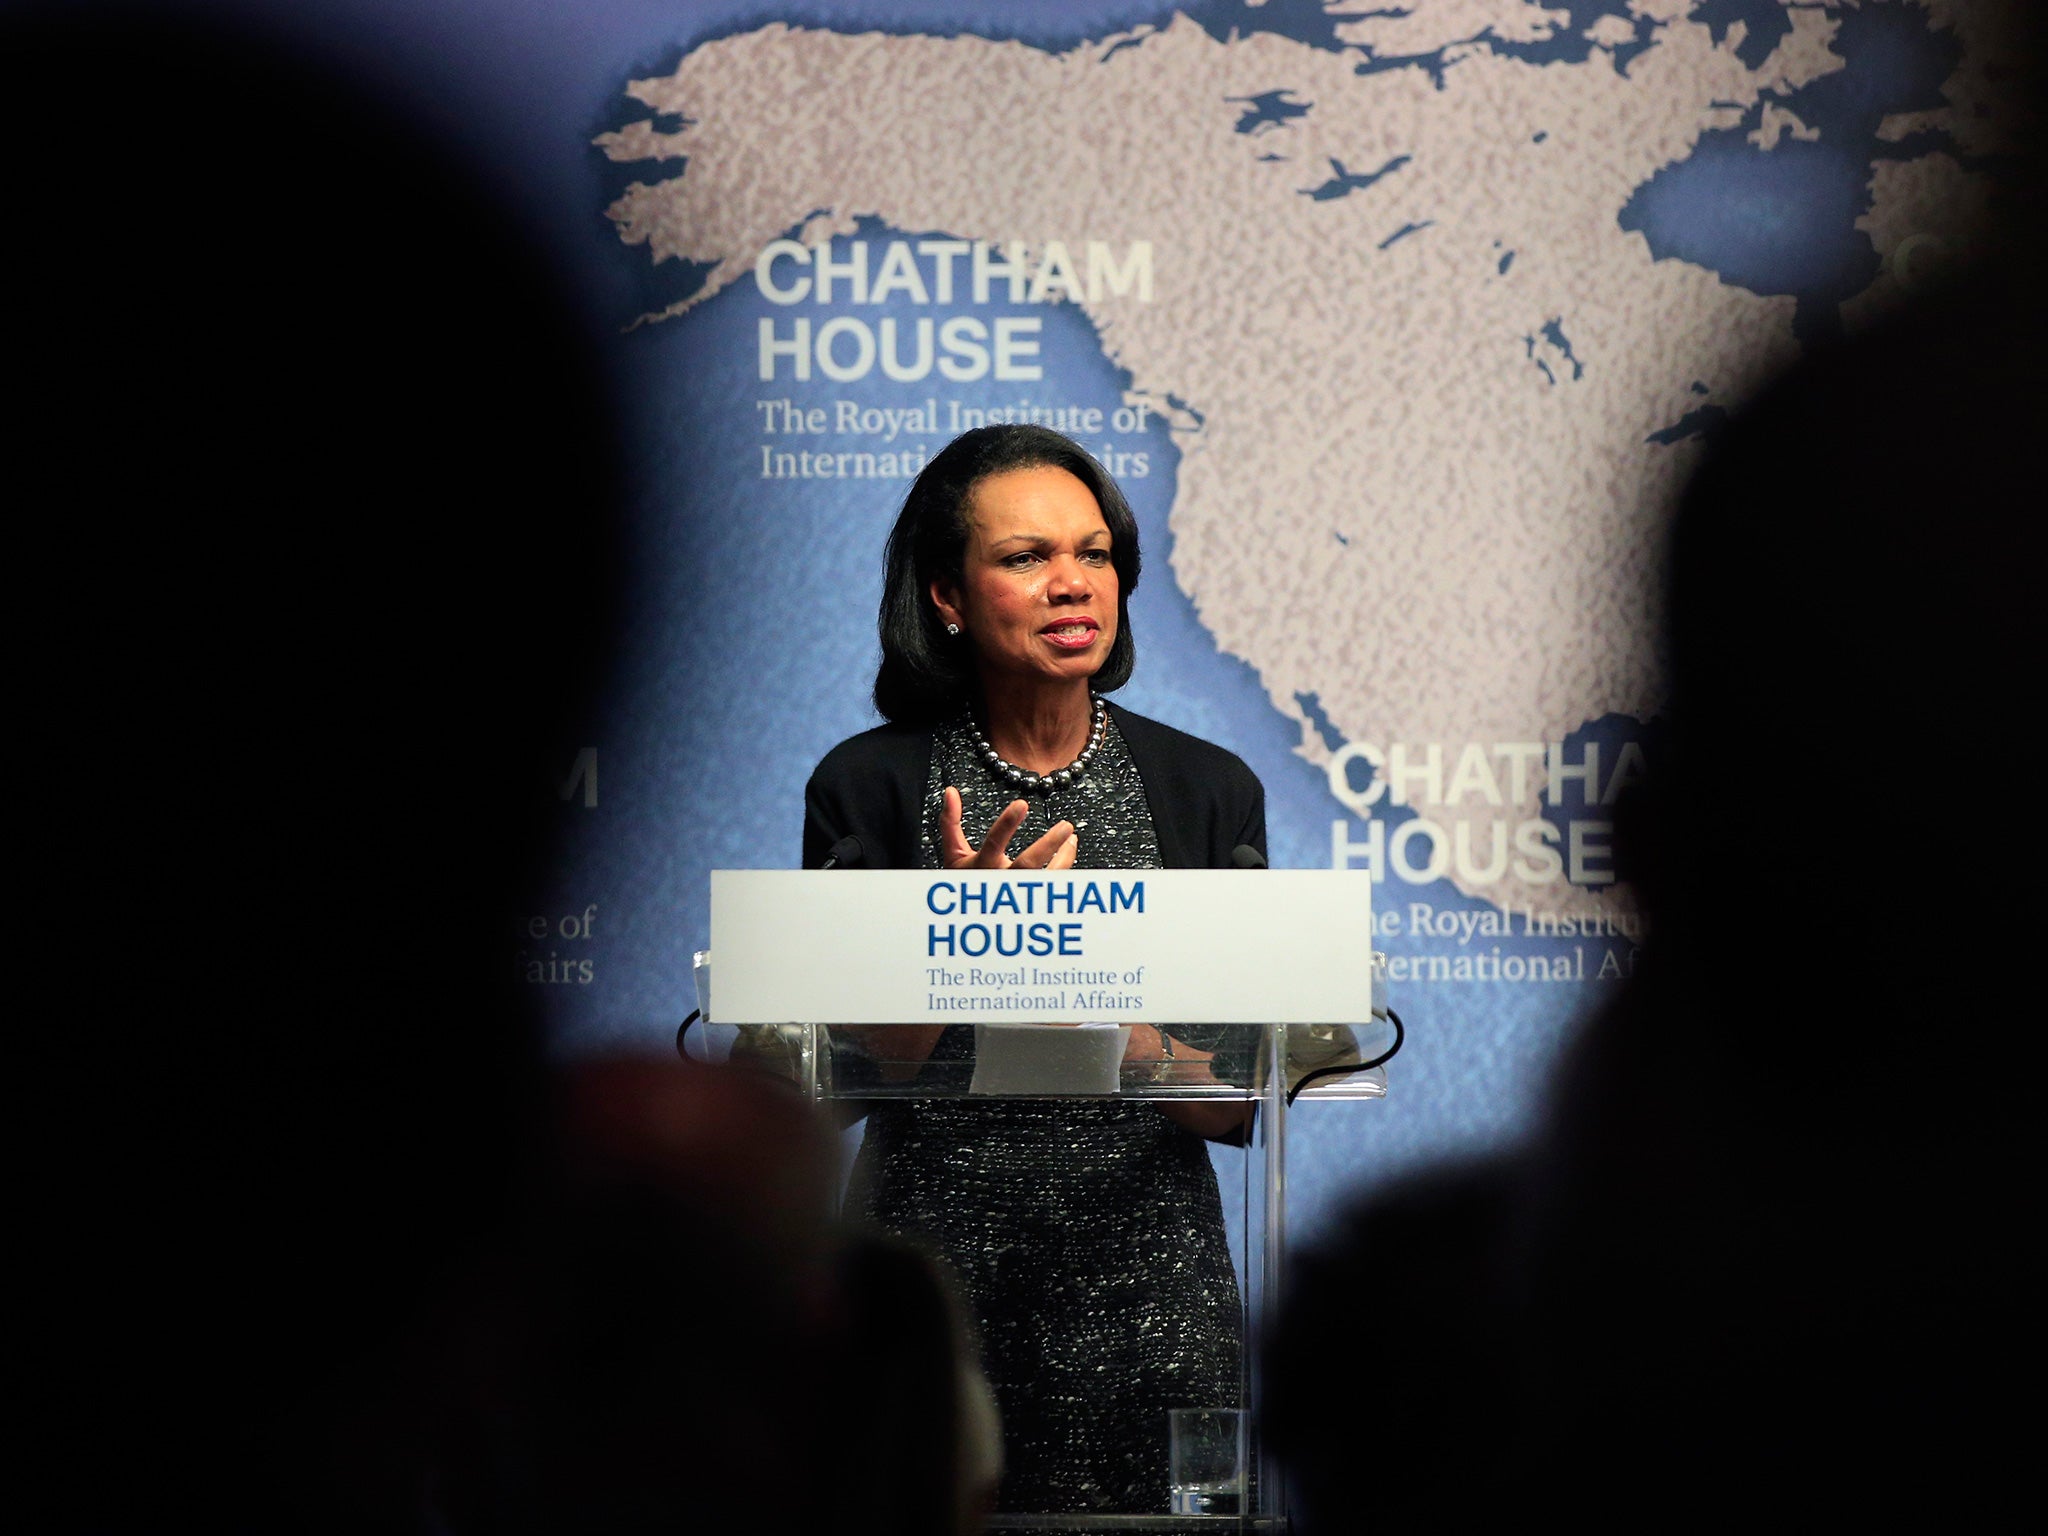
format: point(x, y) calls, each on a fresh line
point(1039, 1061)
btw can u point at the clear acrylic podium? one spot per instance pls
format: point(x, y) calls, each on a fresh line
point(848, 1068)
point(1270, 1070)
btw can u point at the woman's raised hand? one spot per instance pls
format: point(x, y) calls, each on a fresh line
point(1055, 850)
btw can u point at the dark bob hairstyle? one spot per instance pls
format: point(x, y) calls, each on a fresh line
point(927, 674)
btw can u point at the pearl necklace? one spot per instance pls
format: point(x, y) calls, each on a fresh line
point(1023, 777)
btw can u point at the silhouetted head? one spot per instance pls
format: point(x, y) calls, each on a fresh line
point(1852, 582)
point(314, 494)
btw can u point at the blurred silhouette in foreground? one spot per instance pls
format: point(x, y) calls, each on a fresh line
point(920, 1452)
point(312, 499)
point(313, 520)
point(675, 1330)
point(694, 1346)
point(1762, 1257)
point(315, 523)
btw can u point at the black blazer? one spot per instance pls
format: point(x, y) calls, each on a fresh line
point(1204, 800)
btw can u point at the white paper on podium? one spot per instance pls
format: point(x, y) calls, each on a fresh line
point(1015, 1059)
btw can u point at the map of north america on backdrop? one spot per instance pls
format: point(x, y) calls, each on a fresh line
point(1402, 327)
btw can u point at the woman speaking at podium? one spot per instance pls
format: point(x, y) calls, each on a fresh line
point(1087, 1234)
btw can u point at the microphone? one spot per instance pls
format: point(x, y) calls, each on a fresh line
point(1245, 856)
point(847, 850)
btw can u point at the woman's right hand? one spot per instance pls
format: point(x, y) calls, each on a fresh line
point(1055, 850)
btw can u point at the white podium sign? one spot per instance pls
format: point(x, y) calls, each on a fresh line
point(1189, 946)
